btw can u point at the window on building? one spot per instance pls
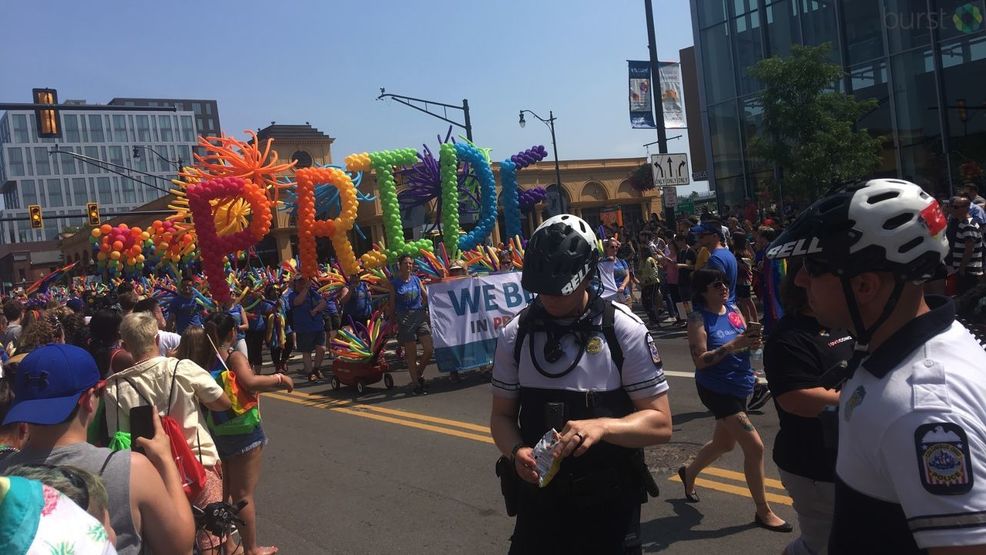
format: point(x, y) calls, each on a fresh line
point(96, 128)
point(208, 108)
point(184, 155)
point(128, 190)
point(21, 133)
point(143, 128)
point(187, 128)
point(724, 131)
point(863, 32)
point(29, 193)
point(197, 108)
point(717, 61)
point(162, 160)
point(116, 155)
point(28, 163)
point(120, 128)
point(67, 161)
point(962, 58)
point(54, 190)
point(104, 191)
point(783, 30)
point(15, 158)
point(92, 152)
point(140, 163)
point(80, 193)
point(41, 160)
point(72, 134)
point(818, 24)
point(164, 124)
point(749, 49)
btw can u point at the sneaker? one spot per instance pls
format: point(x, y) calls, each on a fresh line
point(761, 394)
point(423, 386)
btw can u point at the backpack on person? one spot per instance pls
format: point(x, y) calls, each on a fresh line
point(191, 472)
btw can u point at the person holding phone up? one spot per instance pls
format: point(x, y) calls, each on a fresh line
point(720, 345)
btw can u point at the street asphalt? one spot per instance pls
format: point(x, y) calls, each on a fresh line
point(387, 472)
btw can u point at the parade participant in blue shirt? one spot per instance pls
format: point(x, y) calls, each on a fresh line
point(306, 319)
point(407, 302)
point(184, 309)
point(355, 300)
point(724, 379)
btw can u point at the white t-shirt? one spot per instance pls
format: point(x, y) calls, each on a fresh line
point(168, 341)
point(153, 378)
point(912, 442)
point(607, 278)
point(643, 371)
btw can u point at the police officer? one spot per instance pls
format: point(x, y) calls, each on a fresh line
point(588, 369)
point(911, 465)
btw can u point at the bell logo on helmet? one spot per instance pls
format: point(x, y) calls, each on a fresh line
point(933, 219)
point(576, 280)
point(795, 248)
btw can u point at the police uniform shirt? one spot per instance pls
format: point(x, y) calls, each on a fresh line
point(911, 468)
point(642, 376)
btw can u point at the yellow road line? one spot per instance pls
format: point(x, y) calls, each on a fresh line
point(388, 419)
point(421, 422)
point(736, 490)
point(739, 476)
point(402, 413)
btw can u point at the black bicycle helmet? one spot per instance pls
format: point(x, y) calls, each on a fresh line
point(560, 255)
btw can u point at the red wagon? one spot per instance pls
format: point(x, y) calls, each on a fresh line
point(360, 373)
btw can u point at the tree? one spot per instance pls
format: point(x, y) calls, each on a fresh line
point(810, 129)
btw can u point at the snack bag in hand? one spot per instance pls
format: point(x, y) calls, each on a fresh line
point(545, 459)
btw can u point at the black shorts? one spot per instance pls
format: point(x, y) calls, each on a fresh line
point(720, 405)
point(674, 291)
point(333, 322)
point(742, 291)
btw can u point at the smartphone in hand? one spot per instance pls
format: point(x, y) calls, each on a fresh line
point(141, 424)
point(754, 329)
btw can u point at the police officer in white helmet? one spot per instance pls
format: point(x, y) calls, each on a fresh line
point(911, 467)
point(588, 369)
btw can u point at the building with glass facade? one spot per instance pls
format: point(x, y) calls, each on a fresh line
point(62, 184)
point(924, 61)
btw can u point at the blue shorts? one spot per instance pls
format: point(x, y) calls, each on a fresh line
point(308, 340)
point(231, 446)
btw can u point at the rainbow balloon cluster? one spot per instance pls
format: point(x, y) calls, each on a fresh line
point(334, 229)
point(120, 249)
point(174, 245)
point(363, 343)
point(449, 167)
point(508, 181)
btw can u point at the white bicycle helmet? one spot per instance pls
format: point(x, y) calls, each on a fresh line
point(560, 255)
point(887, 225)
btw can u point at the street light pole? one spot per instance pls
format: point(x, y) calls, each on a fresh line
point(550, 122)
point(409, 101)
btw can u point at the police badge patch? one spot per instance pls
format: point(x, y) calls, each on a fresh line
point(943, 458)
point(654, 355)
point(854, 401)
point(594, 345)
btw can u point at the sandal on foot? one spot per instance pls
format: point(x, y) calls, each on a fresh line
point(693, 496)
point(783, 527)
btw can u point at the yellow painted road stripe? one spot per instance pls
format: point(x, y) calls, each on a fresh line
point(736, 490)
point(420, 421)
point(388, 419)
point(739, 476)
point(400, 413)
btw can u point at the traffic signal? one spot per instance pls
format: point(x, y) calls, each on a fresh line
point(49, 126)
point(92, 209)
point(34, 210)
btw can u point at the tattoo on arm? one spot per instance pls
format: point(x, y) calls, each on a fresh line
point(744, 422)
point(710, 356)
point(695, 316)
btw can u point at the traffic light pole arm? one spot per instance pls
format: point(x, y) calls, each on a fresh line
point(73, 216)
point(104, 165)
point(407, 101)
point(159, 155)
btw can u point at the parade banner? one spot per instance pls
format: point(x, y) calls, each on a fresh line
point(641, 106)
point(469, 314)
point(672, 95)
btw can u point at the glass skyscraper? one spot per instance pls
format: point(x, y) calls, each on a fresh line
point(924, 61)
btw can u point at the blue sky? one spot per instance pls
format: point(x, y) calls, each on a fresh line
point(323, 62)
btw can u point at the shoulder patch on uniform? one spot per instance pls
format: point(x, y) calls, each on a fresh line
point(654, 355)
point(944, 459)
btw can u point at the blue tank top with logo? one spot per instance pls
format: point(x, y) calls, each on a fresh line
point(733, 375)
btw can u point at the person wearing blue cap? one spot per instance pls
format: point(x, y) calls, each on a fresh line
point(710, 236)
point(56, 392)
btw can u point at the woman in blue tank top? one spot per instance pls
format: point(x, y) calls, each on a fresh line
point(724, 378)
